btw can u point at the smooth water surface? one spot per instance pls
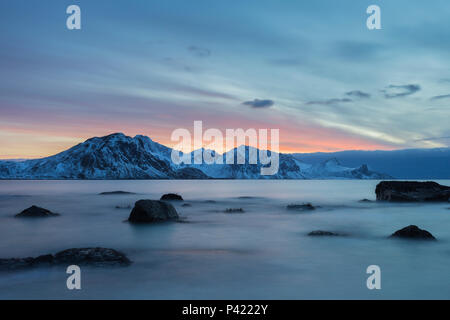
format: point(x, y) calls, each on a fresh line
point(264, 253)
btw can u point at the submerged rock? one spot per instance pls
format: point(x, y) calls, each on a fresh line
point(301, 207)
point(79, 256)
point(365, 201)
point(323, 233)
point(36, 212)
point(234, 210)
point(147, 211)
point(171, 197)
point(109, 193)
point(413, 232)
point(123, 207)
point(412, 191)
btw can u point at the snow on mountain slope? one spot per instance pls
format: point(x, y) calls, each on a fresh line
point(117, 156)
point(332, 169)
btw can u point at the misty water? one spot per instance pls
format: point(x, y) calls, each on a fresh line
point(264, 253)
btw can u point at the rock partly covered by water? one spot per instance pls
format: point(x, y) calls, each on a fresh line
point(234, 210)
point(413, 232)
point(147, 211)
point(111, 193)
point(171, 197)
point(320, 233)
point(301, 207)
point(36, 212)
point(78, 256)
point(412, 191)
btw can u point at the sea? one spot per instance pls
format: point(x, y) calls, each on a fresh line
point(264, 252)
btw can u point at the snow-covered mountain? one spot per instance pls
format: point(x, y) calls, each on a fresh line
point(411, 164)
point(117, 156)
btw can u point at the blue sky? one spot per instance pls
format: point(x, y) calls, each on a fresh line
point(310, 68)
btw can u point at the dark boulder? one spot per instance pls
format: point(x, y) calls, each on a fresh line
point(320, 233)
point(91, 256)
point(84, 256)
point(147, 211)
point(36, 212)
point(413, 232)
point(171, 197)
point(411, 191)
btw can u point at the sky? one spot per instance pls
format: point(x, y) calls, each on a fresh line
point(311, 69)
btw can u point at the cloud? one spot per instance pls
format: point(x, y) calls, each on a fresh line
point(199, 52)
point(356, 51)
point(329, 101)
point(257, 103)
point(445, 96)
point(395, 91)
point(433, 138)
point(358, 94)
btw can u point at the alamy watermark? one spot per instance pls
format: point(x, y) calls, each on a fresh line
point(73, 22)
point(374, 280)
point(73, 282)
point(206, 143)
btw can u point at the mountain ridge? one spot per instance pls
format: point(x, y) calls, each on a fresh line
point(117, 156)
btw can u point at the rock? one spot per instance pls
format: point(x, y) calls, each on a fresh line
point(123, 207)
point(109, 193)
point(36, 212)
point(323, 233)
point(301, 207)
point(187, 205)
point(413, 232)
point(171, 197)
point(147, 211)
point(91, 256)
point(234, 210)
point(412, 191)
point(84, 256)
point(365, 201)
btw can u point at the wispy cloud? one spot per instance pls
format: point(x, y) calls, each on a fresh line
point(358, 94)
point(433, 138)
point(397, 91)
point(445, 96)
point(258, 103)
point(329, 101)
point(199, 51)
point(356, 50)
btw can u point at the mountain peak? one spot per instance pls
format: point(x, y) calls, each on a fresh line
point(117, 156)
